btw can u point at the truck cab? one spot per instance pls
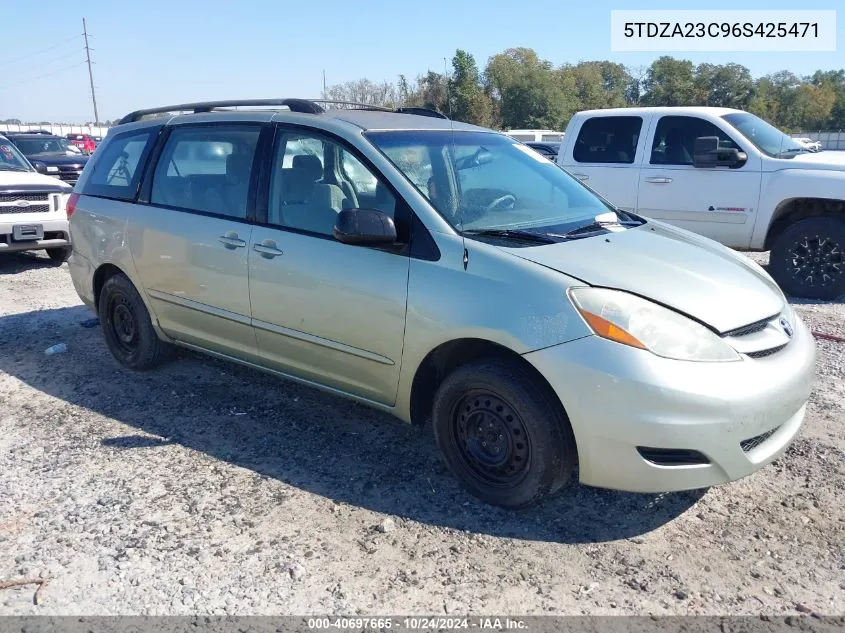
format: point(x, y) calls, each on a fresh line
point(724, 174)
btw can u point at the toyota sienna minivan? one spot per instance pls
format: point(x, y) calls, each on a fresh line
point(446, 272)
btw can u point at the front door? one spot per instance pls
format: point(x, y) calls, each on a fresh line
point(717, 202)
point(191, 243)
point(324, 311)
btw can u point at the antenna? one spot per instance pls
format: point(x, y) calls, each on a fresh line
point(448, 87)
point(452, 130)
point(325, 92)
point(90, 74)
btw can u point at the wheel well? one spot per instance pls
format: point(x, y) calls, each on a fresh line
point(791, 211)
point(101, 276)
point(446, 358)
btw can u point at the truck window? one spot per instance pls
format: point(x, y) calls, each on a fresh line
point(608, 139)
point(674, 139)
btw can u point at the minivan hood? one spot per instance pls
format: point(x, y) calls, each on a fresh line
point(679, 269)
point(817, 160)
point(59, 159)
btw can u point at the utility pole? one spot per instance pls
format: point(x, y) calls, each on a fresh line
point(90, 74)
point(325, 92)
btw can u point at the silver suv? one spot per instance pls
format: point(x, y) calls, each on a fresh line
point(440, 271)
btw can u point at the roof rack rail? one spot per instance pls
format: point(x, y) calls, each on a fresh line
point(295, 105)
point(307, 106)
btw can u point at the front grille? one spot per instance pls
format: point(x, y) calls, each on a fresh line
point(31, 197)
point(766, 352)
point(753, 442)
point(33, 208)
point(751, 328)
point(672, 456)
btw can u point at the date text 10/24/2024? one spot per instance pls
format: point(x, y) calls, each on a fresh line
point(420, 623)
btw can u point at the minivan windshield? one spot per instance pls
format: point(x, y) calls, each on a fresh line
point(49, 145)
point(767, 138)
point(485, 181)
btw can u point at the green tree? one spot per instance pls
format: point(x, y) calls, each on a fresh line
point(669, 82)
point(469, 101)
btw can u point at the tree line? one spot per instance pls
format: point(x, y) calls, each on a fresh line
point(517, 89)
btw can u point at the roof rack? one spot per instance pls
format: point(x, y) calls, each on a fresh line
point(307, 106)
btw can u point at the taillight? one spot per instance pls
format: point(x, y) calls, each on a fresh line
point(70, 207)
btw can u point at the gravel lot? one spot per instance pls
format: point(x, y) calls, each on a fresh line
point(208, 488)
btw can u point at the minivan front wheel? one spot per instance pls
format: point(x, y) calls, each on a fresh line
point(127, 326)
point(503, 436)
point(808, 258)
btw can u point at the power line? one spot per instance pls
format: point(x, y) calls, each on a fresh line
point(40, 65)
point(40, 51)
point(31, 79)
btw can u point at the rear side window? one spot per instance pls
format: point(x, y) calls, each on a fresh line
point(206, 169)
point(674, 139)
point(116, 172)
point(608, 139)
point(551, 138)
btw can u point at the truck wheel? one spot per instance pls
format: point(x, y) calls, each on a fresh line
point(503, 436)
point(808, 258)
point(127, 326)
point(59, 254)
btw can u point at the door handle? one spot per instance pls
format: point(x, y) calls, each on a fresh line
point(231, 240)
point(581, 176)
point(267, 249)
point(662, 180)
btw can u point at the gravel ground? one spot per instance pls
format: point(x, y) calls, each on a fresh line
point(207, 488)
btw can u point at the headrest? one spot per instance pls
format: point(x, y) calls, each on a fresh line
point(310, 165)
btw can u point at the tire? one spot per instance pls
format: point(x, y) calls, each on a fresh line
point(127, 326)
point(808, 258)
point(507, 405)
point(59, 254)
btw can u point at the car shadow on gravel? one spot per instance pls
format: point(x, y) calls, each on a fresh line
point(18, 262)
point(298, 435)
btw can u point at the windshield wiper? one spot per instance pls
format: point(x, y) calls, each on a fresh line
point(512, 233)
point(12, 168)
point(792, 150)
point(598, 225)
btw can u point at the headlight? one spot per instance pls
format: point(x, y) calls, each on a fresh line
point(630, 320)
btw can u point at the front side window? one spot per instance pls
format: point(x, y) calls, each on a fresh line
point(674, 139)
point(314, 178)
point(206, 169)
point(116, 171)
point(485, 180)
point(767, 138)
point(608, 139)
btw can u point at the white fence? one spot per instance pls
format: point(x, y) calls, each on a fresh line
point(55, 128)
point(829, 140)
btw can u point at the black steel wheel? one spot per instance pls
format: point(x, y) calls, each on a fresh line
point(127, 326)
point(808, 258)
point(503, 433)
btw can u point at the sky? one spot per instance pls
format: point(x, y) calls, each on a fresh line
point(160, 52)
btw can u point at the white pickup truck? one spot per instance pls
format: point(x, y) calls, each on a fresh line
point(725, 174)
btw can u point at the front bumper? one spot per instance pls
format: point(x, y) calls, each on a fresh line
point(619, 398)
point(56, 233)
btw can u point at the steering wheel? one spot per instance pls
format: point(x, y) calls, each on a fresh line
point(502, 203)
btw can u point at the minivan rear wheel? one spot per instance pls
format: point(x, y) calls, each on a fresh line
point(127, 326)
point(502, 435)
point(808, 258)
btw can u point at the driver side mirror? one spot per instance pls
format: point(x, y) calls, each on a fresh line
point(707, 153)
point(364, 227)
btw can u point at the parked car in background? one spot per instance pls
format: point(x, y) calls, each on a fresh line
point(810, 144)
point(85, 142)
point(549, 150)
point(32, 207)
point(545, 136)
point(454, 275)
point(725, 174)
point(51, 155)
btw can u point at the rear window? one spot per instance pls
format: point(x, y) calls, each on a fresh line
point(608, 139)
point(116, 171)
point(551, 138)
